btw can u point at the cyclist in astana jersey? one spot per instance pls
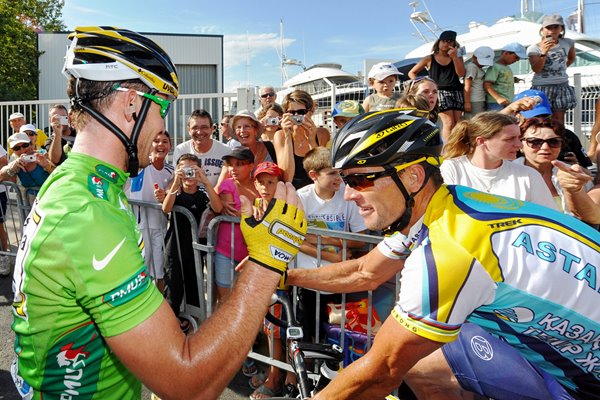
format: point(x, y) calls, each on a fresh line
point(469, 260)
point(89, 322)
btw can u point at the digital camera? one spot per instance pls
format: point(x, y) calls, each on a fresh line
point(28, 157)
point(189, 172)
point(64, 120)
point(298, 119)
point(272, 121)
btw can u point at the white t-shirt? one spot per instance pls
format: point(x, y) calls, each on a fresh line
point(142, 188)
point(335, 214)
point(510, 179)
point(211, 161)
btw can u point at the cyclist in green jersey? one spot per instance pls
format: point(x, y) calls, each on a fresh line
point(89, 323)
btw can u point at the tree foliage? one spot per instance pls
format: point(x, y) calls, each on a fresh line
point(20, 21)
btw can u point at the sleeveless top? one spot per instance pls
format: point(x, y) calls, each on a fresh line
point(444, 75)
point(301, 177)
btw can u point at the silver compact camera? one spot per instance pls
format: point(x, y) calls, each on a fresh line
point(272, 121)
point(298, 119)
point(29, 157)
point(189, 172)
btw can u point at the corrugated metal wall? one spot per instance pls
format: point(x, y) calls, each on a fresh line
point(198, 58)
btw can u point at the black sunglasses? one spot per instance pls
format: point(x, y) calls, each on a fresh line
point(302, 111)
point(23, 146)
point(367, 180)
point(534, 143)
point(270, 94)
point(364, 181)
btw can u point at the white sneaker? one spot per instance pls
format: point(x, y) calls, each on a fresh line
point(5, 265)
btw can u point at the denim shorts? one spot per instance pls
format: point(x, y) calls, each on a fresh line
point(224, 270)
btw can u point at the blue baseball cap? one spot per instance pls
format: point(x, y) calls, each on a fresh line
point(516, 48)
point(541, 108)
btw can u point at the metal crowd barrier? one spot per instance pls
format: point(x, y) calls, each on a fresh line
point(17, 209)
point(369, 240)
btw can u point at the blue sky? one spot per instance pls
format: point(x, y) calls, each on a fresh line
point(346, 32)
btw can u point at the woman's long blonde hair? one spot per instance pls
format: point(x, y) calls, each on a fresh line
point(486, 124)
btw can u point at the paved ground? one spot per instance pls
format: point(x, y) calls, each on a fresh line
point(238, 388)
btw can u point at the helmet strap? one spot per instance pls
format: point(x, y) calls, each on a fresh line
point(404, 219)
point(129, 144)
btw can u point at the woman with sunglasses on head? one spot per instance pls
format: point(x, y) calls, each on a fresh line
point(424, 86)
point(549, 60)
point(446, 67)
point(298, 135)
point(543, 139)
point(477, 155)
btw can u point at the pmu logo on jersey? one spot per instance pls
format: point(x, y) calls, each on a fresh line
point(97, 186)
point(73, 364)
point(107, 173)
point(128, 290)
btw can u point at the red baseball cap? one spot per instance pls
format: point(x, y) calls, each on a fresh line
point(268, 168)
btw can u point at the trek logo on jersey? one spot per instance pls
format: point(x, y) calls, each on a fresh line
point(128, 290)
point(97, 186)
point(107, 173)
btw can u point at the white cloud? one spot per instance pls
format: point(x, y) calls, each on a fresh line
point(238, 49)
point(207, 29)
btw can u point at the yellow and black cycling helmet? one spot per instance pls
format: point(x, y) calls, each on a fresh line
point(107, 54)
point(102, 53)
point(382, 138)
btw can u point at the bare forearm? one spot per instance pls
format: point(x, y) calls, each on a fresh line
point(199, 366)
point(225, 338)
point(284, 148)
point(585, 206)
point(364, 273)
point(55, 151)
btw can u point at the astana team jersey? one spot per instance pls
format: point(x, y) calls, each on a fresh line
point(79, 277)
point(523, 272)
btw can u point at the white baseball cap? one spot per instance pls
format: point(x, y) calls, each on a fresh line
point(485, 55)
point(17, 138)
point(15, 115)
point(382, 70)
point(27, 127)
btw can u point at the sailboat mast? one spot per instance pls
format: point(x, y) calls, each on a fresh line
point(580, 20)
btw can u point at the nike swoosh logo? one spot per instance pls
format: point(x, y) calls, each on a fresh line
point(100, 264)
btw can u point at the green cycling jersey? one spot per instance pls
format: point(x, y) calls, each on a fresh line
point(79, 277)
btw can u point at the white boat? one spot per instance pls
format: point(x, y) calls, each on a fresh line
point(327, 83)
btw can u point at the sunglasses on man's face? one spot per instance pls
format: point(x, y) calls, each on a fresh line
point(366, 180)
point(534, 143)
point(19, 147)
point(270, 94)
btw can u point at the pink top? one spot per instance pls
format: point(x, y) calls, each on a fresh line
point(224, 237)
